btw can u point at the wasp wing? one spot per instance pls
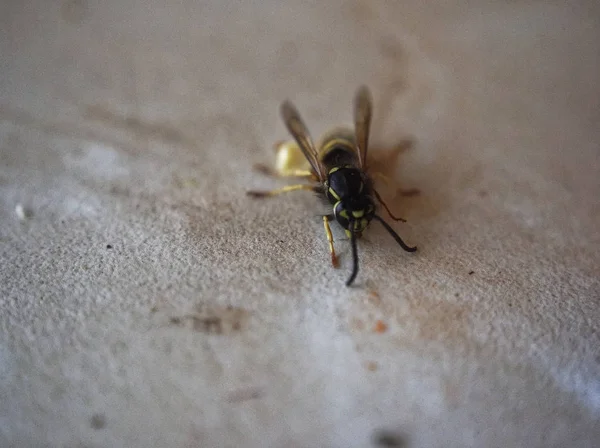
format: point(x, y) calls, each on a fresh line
point(363, 110)
point(293, 121)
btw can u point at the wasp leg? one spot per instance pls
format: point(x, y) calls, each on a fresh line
point(387, 208)
point(334, 259)
point(264, 169)
point(266, 194)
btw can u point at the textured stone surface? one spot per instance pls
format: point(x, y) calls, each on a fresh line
point(145, 301)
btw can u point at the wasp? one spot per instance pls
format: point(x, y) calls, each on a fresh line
point(339, 165)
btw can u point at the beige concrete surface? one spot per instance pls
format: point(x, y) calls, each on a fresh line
point(145, 301)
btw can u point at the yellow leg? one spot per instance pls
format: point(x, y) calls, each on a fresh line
point(299, 173)
point(266, 194)
point(307, 174)
point(334, 260)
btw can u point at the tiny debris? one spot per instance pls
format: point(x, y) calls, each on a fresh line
point(175, 321)
point(22, 212)
point(109, 246)
point(471, 272)
point(389, 439)
point(372, 366)
point(213, 320)
point(98, 421)
point(380, 327)
point(209, 324)
point(240, 395)
point(374, 298)
point(410, 192)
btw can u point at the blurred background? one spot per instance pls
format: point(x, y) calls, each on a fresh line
point(145, 300)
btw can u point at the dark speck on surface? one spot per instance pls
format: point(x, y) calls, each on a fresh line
point(471, 272)
point(389, 439)
point(410, 193)
point(109, 246)
point(250, 393)
point(98, 421)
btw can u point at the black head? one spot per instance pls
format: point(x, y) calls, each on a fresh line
point(354, 213)
point(353, 206)
point(345, 182)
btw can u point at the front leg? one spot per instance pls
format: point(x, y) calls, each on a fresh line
point(300, 173)
point(286, 189)
point(334, 259)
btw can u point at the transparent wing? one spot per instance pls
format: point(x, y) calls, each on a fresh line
point(363, 109)
point(293, 121)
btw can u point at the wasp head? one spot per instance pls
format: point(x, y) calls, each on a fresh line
point(354, 213)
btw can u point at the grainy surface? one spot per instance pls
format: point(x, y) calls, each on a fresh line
point(146, 301)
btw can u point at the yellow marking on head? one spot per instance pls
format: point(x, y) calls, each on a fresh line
point(344, 214)
point(334, 194)
point(364, 223)
point(358, 213)
point(348, 233)
point(334, 169)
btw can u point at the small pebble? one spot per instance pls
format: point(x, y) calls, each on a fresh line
point(21, 212)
